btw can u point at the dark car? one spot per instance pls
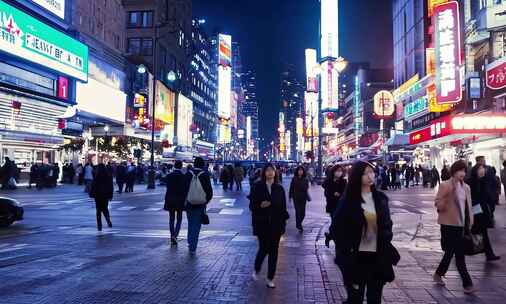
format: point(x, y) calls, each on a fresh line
point(10, 211)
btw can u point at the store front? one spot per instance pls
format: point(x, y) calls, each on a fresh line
point(464, 137)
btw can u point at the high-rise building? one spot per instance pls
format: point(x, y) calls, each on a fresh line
point(203, 85)
point(292, 105)
point(250, 111)
point(410, 24)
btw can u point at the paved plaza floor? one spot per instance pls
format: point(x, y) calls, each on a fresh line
point(56, 255)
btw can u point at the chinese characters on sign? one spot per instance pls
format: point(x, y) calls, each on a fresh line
point(496, 74)
point(384, 105)
point(448, 48)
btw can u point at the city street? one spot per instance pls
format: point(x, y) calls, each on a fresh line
point(56, 255)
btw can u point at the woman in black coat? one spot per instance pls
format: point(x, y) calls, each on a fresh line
point(362, 231)
point(269, 216)
point(175, 199)
point(102, 189)
point(481, 208)
point(334, 187)
point(299, 193)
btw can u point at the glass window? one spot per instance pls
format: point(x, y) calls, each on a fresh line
point(134, 45)
point(133, 19)
point(147, 46)
point(140, 19)
point(147, 19)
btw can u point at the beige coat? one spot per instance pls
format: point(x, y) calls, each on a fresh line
point(446, 204)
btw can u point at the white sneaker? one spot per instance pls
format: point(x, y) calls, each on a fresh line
point(255, 276)
point(438, 280)
point(270, 284)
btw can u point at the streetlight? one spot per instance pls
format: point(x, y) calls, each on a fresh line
point(338, 65)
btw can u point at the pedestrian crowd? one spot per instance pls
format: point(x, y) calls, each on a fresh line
point(361, 225)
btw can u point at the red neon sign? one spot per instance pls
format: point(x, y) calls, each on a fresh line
point(496, 75)
point(448, 47)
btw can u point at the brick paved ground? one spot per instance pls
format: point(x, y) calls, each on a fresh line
point(55, 255)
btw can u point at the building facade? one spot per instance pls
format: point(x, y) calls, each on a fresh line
point(292, 107)
point(250, 111)
point(36, 90)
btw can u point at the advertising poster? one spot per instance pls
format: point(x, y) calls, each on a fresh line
point(23, 36)
point(165, 105)
point(225, 50)
point(184, 121)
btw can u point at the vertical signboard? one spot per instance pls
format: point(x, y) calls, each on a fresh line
point(329, 86)
point(448, 47)
point(184, 121)
point(224, 91)
point(329, 29)
point(311, 79)
point(357, 110)
point(224, 87)
point(225, 50)
point(165, 105)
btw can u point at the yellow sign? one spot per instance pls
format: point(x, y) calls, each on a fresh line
point(405, 86)
point(435, 107)
point(433, 4)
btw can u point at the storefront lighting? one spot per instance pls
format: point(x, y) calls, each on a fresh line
point(171, 76)
point(106, 128)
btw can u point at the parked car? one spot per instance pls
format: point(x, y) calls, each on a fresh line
point(10, 211)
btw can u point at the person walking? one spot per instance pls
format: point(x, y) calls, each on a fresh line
point(454, 206)
point(481, 208)
point(121, 176)
point(334, 187)
point(130, 178)
point(299, 194)
point(175, 199)
point(434, 177)
point(88, 177)
point(34, 171)
point(101, 190)
point(269, 215)
point(199, 194)
point(238, 176)
point(216, 174)
point(80, 174)
point(225, 178)
point(362, 231)
point(445, 173)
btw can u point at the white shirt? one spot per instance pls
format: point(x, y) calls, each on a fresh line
point(461, 200)
point(369, 240)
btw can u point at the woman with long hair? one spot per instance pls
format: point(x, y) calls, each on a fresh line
point(269, 216)
point(299, 188)
point(102, 190)
point(362, 231)
point(334, 186)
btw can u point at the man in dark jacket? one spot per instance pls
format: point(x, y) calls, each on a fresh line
point(490, 183)
point(175, 199)
point(121, 175)
point(102, 189)
point(196, 212)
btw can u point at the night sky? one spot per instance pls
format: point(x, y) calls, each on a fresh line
point(273, 32)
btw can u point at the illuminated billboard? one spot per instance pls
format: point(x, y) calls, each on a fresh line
point(164, 108)
point(224, 91)
point(25, 37)
point(225, 50)
point(224, 133)
point(233, 110)
point(56, 7)
point(184, 121)
point(329, 28)
point(311, 110)
point(384, 105)
point(448, 58)
point(329, 86)
point(100, 99)
point(311, 79)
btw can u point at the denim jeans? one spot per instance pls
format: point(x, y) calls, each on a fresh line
point(194, 215)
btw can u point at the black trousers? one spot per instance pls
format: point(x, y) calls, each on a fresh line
point(452, 244)
point(267, 245)
point(102, 207)
point(489, 252)
point(120, 186)
point(370, 284)
point(175, 220)
point(300, 211)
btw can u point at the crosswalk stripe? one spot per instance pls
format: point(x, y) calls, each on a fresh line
point(153, 209)
point(231, 211)
point(126, 208)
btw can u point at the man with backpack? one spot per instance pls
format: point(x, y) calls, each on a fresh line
point(199, 194)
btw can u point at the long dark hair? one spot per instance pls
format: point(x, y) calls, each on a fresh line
point(332, 172)
point(267, 166)
point(353, 193)
point(304, 174)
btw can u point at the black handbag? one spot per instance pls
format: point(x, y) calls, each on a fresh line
point(205, 219)
point(473, 243)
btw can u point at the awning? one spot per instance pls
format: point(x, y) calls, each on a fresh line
point(69, 113)
point(398, 140)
